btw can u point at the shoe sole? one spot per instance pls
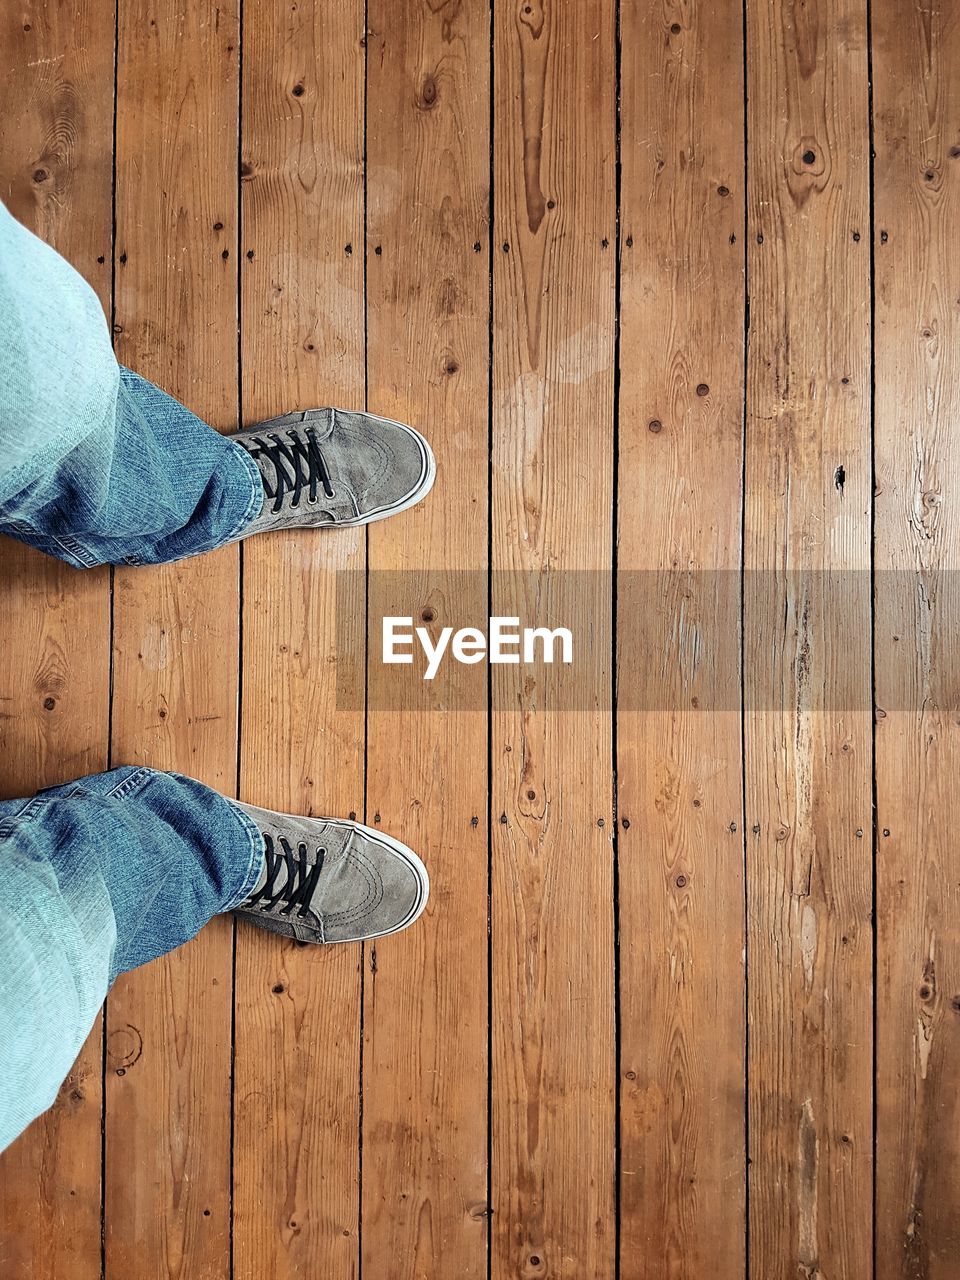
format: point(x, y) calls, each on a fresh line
point(399, 850)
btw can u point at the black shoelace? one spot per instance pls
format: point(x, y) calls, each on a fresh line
point(301, 880)
point(298, 464)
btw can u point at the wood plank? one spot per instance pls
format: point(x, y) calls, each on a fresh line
point(683, 1176)
point(424, 1208)
point(56, 162)
point(807, 642)
point(552, 497)
point(168, 1090)
point(298, 1009)
point(916, 59)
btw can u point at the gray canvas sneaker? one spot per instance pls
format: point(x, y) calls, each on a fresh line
point(332, 880)
point(331, 467)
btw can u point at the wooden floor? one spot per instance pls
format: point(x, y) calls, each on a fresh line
point(674, 289)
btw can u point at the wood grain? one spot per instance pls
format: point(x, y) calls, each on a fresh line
point(552, 495)
point(425, 990)
point(916, 60)
point(807, 642)
point(679, 769)
point(298, 1009)
point(412, 1201)
point(56, 161)
point(176, 631)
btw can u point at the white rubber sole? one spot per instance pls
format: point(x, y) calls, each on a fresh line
point(398, 850)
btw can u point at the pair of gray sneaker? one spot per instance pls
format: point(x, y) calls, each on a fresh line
point(330, 879)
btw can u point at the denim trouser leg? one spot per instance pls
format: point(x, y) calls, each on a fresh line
point(151, 484)
point(97, 465)
point(98, 877)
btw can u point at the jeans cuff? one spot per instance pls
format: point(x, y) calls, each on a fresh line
point(257, 495)
point(64, 548)
point(251, 511)
point(257, 856)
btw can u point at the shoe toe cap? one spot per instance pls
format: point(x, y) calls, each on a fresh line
point(376, 888)
point(386, 464)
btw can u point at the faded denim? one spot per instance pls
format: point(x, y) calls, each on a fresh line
point(98, 465)
point(98, 877)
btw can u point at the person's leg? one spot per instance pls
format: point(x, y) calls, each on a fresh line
point(97, 464)
point(154, 484)
point(98, 877)
point(109, 872)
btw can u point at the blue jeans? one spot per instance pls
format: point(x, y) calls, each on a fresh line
point(150, 484)
point(97, 877)
point(99, 466)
